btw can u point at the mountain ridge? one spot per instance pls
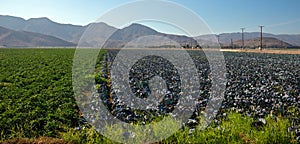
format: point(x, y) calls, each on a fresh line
point(120, 37)
point(268, 42)
point(11, 38)
point(225, 38)
point(67, 32)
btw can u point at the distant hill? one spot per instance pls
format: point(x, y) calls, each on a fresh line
point(268, 42)
point(153, 38)
point(225, 38)
point(45, 26)
point(95, 33)
point(292, 39)
point(11, 22)
point(11, 38)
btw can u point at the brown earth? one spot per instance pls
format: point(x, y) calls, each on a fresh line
point(41, 140)
point(271, 51)
point(263, 51)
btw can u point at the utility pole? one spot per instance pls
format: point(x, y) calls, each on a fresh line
point(243, 40)
point(219, 40)
point(231, 44)
point(261, 37)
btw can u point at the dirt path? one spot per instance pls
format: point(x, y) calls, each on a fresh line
point(271, 51)
point(295, 51)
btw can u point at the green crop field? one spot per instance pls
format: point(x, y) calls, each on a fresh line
point(36, 92)
point(37, 100)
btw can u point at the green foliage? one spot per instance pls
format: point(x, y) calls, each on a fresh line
point(237, 129)
point(85, 135)
point(36, 92)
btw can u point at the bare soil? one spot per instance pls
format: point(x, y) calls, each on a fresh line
point(41, 140)
point(295, 51)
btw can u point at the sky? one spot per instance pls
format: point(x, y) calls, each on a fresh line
point(221, 16)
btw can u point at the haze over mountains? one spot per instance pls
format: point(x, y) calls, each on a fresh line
point(13, 38)
point(35, 32)
point(45, 26)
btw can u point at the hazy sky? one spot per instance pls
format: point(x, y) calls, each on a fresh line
point(222, 16)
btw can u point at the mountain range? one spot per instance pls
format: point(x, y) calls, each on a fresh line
point(268, 42)
point(35, 32)
point(11, 38)
point(226, 38)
